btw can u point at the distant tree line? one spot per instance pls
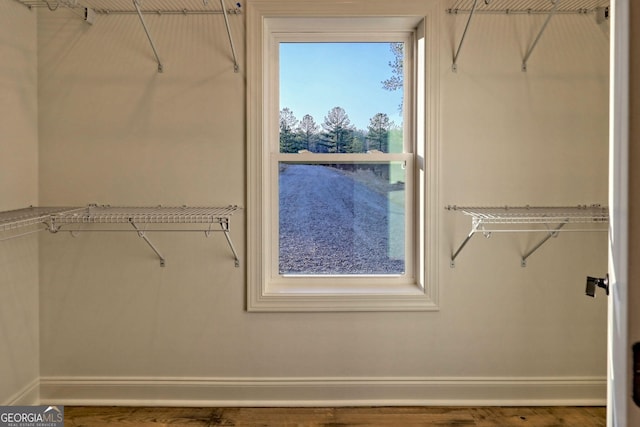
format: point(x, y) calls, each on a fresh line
point(336, 134)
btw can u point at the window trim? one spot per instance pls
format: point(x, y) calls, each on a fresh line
point(265, 293)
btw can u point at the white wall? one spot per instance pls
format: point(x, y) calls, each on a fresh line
point(525, 138)
point(117, 328)
point(19, 348)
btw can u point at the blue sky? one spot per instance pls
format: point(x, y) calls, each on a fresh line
point(315, 77)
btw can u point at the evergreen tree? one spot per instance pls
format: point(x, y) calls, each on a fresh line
point(378, 137)
point(308, 131)
point(359, 141)
point(338, 131)
point(288, 138)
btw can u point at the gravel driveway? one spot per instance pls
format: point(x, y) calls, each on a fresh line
point(333, 224)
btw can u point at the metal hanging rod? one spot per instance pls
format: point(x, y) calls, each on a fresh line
point(75, 230)
point(520, 12)
point(167, 12)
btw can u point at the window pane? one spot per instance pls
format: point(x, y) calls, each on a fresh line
point(341, 97)
point(342, 219)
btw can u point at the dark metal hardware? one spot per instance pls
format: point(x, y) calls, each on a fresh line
point(596, 282)
point(636, 373)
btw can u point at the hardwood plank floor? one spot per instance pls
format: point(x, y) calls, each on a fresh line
point(85, 416)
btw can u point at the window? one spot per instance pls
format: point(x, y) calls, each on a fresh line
point(337, 178)
point(344, 203)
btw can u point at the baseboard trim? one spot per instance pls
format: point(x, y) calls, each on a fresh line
point(259, 392)
point(29, 395)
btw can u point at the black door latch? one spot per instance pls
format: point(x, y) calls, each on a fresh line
point(596, 282)
point(636, 373)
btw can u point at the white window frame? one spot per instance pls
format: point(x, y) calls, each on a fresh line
point(266, 289)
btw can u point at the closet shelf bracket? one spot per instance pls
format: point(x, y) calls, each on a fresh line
point(144, 237)
point(224, 225)
point(236, 68)
point(549, 220)
point(454, 67)
point(551, 233)
point(146, 30)
point(474, 229)
point(552, 12)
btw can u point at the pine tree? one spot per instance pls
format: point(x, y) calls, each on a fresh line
point(338, 131)
point(288, 138)
point(378, 137)
point(308, 130)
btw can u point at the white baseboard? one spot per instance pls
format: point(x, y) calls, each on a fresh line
point(29, 395)
point(245, 392)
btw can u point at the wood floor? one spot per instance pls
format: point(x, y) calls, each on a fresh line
point(334, 417)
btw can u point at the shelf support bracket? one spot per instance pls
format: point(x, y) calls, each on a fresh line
point(454, 67)
point(225, 228)
point(544, 27)
point(142, 235)
point(552, 233)
point(146, 30)
point(236, 68)
point(473, 231)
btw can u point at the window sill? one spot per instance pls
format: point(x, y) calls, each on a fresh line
point(287, 298)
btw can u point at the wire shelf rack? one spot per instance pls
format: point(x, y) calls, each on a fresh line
point(599, 8)
point(528, 6)
point(94, 214)
point(536, 214)
point(202, 7)
point(25, 217)
point(549, 220)
point(57, 219)
point(87, 9)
